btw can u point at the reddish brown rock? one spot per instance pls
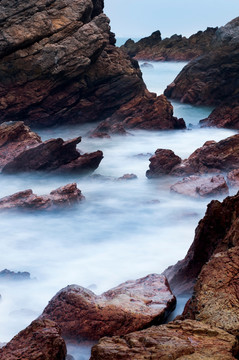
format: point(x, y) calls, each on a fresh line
point(22, 150)
point(226, 115)
point(64, 196)
point(233, 177)
point(216, 293)
point(210, 158)
point(130, 306)
point(162, 163)
point(197, 186)
point(128, 177)
point(177, 47)
point(218, 231)
point(182, 340)
point(41, 340)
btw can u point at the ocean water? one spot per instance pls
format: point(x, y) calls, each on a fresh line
point(123, 230)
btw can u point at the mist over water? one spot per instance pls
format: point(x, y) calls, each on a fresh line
point(124, 230)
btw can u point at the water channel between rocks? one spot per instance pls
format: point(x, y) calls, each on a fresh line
point(124, 230)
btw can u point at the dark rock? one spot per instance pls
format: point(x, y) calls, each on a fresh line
point(216, 232)
point(22, 150)
point(40, 340)
point(177, 47)
point(184, 340)
point(162, 163)
point(197, 186)
point(65, 196)
point(130, 306)
point(11, 275)
point(215, 300)
point(226, 115)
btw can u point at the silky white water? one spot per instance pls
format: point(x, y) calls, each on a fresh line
point(123, 230)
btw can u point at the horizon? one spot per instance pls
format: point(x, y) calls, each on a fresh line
point(139, 19)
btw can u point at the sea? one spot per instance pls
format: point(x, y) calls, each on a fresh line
point(123, 230)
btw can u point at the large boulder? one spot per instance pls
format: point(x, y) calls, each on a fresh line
point(64, 196)
point(215, 300)
point(184, 340)
point(22, 150)
point(41, 340)
point(58, 64)
point(130, 306)
point(212, 79)
point(216, 232)
point(177, 47)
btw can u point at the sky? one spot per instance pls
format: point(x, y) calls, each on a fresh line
point(139, 18)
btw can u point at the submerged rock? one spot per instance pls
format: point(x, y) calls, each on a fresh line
point(217, 232)
point(197, 186)
point(177, 47)
point(182, 340)
point(233, 178)
point(11, 275)
point(40, 340)
point(62, 197)
point(212, 79)
point(130, 306)
point(22, 150)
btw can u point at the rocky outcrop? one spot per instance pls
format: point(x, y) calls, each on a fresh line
point(7, 275)
point(182, 340)
point(197, 186)
point(177, 47)
point(210, 158)
point(130, 306)
point(212, 79)
point(217, 232)
point(65, 196)
point(215, 300)
point(58, 64)
point(40, 340)
point(233, 178)
point(136, 114)
point(22, 150)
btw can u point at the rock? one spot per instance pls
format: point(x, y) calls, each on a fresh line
point(150, 112)
point(65, 196)
point(212, 79)
point(197, 186)
point(11, 275)
point(58, 64)
point(162, 163)
point(40, 340)
point(128, 177)
point(233, 177)
point(182, 340)
point(177, 47)
point(22, 151)
point(210, 158)
point(130, 306)
point(216, 232)
point(215, 300)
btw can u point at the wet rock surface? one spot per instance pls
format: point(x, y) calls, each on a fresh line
point(196, 186)
point(216, 232)
point(177, 340)
point(40, 340)
point(65, 196)
point(162, 163)
point(130, 306)
point(177, 47)
point(212, 79)
point(22, 150)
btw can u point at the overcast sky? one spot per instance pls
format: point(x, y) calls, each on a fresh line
point(137, 18)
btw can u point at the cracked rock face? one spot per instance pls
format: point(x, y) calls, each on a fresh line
point(130, 306)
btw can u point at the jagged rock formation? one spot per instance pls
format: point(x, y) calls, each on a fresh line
point(128, 307)
point(64, 196)
point(184, 340)
point(8, 275)
point(58, 64)
point(177, 47)
point(212, 79)
point(215, 234)
point(41, 340)
point(22, 150)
